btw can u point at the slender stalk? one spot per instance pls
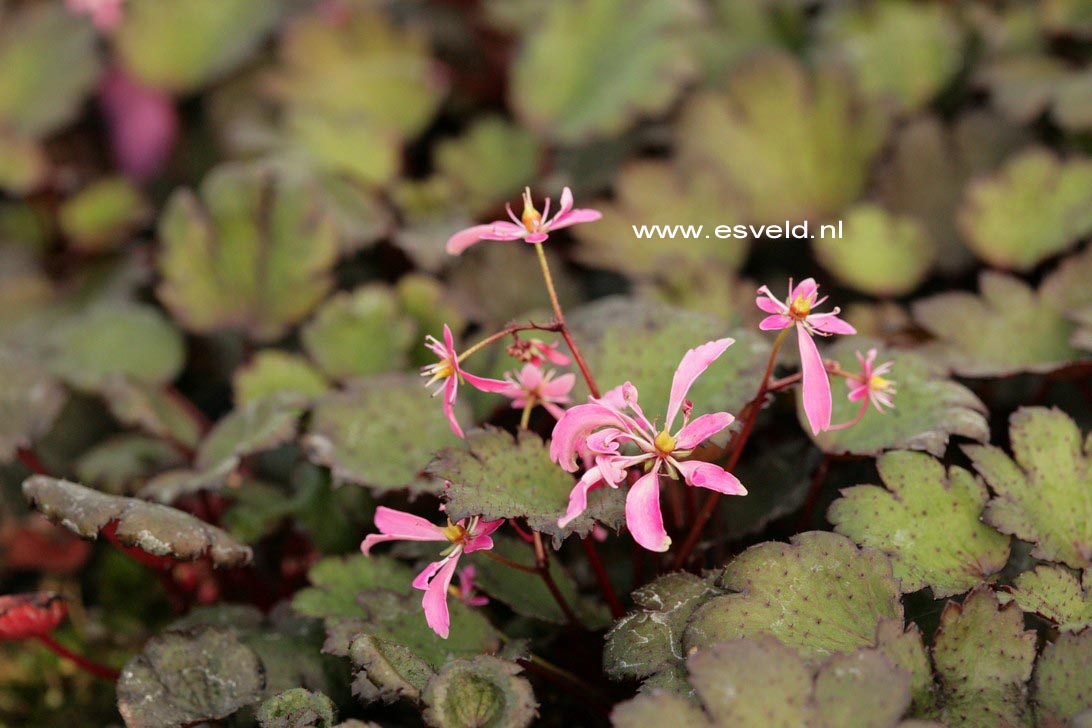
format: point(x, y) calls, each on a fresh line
point(508, 331)
point(560, 316)
point(509, 563)
point(525, 417)
point(711, 501)
point(542, 562)
point(605, 585)
point(562, 677)
point(31, 461)
point(816, 488)
point(106, 673)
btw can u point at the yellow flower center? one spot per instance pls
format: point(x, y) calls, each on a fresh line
point(453, 532)
point(665, 443)
point(443, 370)
point(800, 307)
point(879, 383)
point(531, 217)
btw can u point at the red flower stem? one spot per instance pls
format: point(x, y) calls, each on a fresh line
point(559, 315)
point(605, 586)
point(508, 330)
point(542, 564)
point(509, 563)
point(31, 461)
point(106, 673)
point(752, 409)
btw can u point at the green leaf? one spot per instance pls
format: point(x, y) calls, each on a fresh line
point(122, 463)
point(593, 67)
point(524, 592)
point(153, 409)
point(335, 583)
point(41, 92)
point(927, 521)
point(650, 640)
point(182, 45)
point(155, 528)
point(983, 660)
point(906, 650)
point(820, 594)
point(381, 432)
point(929, 407)
point(252, 428)
point(387, 671)
point(359, 333)
point(795, 145)
point(353, 91)
point(764, 683)
point(102, 215)
point(1054, 593)
point(116, 340)
point(659, 193)
point(275, 372)
point(495, 282)
point(1062, 690)
point(1041, 495)
point(492, 158)
point(897, 50)
point(186, 677)
point(253, 253)
point(30, 400)
point(297, 708)
point(485, 691)
point(1009, 329)
point(879, 253)
point(1035, 207)
point(502, 477)
point(642, 341)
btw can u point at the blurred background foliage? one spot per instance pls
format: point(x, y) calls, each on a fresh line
point(224, 215)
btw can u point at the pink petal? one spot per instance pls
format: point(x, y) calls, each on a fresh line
point(477, 601)
point(558, 389)
point(484, 384)
point(643, 517)
point(572, 429)
point(406, 526)
point(713, 477)
point(450, 390)
point(769, 304)
point(693, 363)
point(578, 497)
point(486, 528)
point(575, 217)
point(701, 429)
point(829, 323)
point(449, 342)
point(421, 580)
point(556, 412)
point(807, 288)
point(463, 239)
point(435, 599)
point(551, 353)
point(536, 237)
point(816, 385)
point(775, 323)
point(856, 391)
point(530, 376)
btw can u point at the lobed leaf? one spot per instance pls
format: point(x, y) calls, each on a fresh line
point(1062, 689)
point(479, 692)
point(1056, 594)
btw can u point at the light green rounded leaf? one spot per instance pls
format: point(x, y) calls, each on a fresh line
point(1056, 594)
point(1009, 329)
point(1042, 491)
point(484, 691)
point(254, 252)
point(819, 594)
point(929, 407)
point(101, 216)
point(251, 428)
point(381, 432)
point(489, 161)
point(498, 476)
point(654, 194)
point(122, 463)
point(359, 333)
point(30, 399)
point(642, 341)
point(132, 341)
point(189, 676)
point(982, 657)
point(154, 409)
point(590, 68)
point(897, 49)
point(297, 708)
point(48, 64)
point(927, 521)
point(796, 145)
point(273, 372)
point(1035, 207)
point(181, 45)
point(879, 253)
point(1062, 687)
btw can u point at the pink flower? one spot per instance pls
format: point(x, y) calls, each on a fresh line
point(142, 124)
point(466, 536)
point(537, 352)
point(105, 14)
point(796, 311)
point(869, 386)
point(448, 371)
point(531, 386)
point(598, 430)
point(464, 592)
point(531, 227)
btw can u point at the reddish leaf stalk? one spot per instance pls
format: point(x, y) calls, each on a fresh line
point(101, 671)
point(605, 585)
